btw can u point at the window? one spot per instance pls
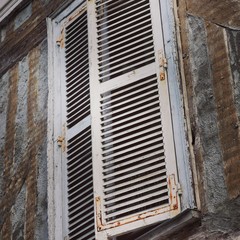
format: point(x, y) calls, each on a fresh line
point(114, 138)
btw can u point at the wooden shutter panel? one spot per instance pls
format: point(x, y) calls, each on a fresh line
point(134, 161)
point(80, 204)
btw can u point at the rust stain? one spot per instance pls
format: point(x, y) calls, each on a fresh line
point(171, 208)
point(60, 40)
point(11, 117)
point(77, 13)
point(10, 142)
point(31, 181)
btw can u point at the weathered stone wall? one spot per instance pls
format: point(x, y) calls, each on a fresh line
point(210, 34)
point(23, 118)
point(23, 147)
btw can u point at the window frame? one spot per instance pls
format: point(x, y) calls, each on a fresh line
point(56, 219)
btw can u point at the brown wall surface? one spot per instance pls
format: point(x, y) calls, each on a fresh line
point(210, 34)
point(23, 117)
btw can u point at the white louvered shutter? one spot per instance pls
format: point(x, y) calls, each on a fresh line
point(76, 105)
point(134, 164)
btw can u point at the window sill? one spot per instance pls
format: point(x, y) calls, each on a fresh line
point(172, 226)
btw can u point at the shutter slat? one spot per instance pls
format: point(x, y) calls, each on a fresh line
point(82, 215)
point(75, 55)
point(121, 164)
point(129, 43)
point(136, 186)
point(77, 182)
point(76, 23)
point(130, 136)
point(138, 54)
point(130, 175)
point(142, 103)
point(139, 203)
point(112, 167)
point(149, 205)
point(82, 200)
point(123, 9)
point(78, 164)
point(117, 41)
point(76, 49)
point(121, 23)
point(133, 154)
point(118, 119)
point(79, 156)
point(130, 169)
point(81, 65)
point(148, 194)
point(80, 74)
point(138, 96)
point(129, 53)
point(76, 39)
point(115, 30)
point(78, 82)
point(135, 181)
point(150, 138)
point(134, 62)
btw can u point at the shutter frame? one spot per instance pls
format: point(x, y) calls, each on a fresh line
point(104, 229)
point(78, 207)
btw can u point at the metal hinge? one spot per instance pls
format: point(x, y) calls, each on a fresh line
point(173, 189)
point(61, 142)
point(60, 39)
point(162, 65)
point(100, 226)
point(179, 189)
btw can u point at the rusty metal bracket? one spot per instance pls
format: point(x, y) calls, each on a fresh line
point(61, 142)
point(99, 214)
point(162, 65)
point(173, 192)
point(173, 207)
point(60, 39)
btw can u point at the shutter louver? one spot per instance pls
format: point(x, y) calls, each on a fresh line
point(125, 39)
point(133, 155)
point(77, 71)
point(135, 173)
point(79, 139)
point(80, 186)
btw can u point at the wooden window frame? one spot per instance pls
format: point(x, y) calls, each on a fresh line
point(57, 230)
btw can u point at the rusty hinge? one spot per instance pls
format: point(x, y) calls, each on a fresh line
point(99, 214)
point(173, 191)
point(61, 142)
point(162, 65)
point(179, 189)
point(60, 39)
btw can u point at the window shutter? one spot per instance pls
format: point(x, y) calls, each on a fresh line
point(76, 105)
point(134, 165)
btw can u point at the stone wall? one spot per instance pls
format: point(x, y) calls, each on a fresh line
point(210, 32)
point(23, 117)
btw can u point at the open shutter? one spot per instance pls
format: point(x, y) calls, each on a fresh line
point(134, 163)
point(76, 106)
